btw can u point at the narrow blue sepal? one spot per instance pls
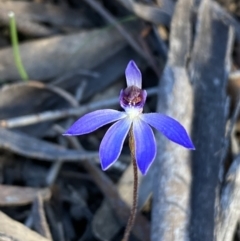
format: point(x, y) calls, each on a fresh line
point(170, 128)
point(94, 120)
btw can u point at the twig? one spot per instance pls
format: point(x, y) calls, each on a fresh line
point(73, 73)
point(29, 146)
point(80, 90)
point(59, 114)
point(53, 173)
point(56, 166)
point(55, 223)
point(39, 218)
point(55, 89)
point(97, 7)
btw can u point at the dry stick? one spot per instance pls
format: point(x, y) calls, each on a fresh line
point(59, 114)
point(73, 73)
point(39, 218)
point(97, 7)
point(56, 114)
point(146, 55)
point(135, 188)
point(55, 89)
point(56, 167)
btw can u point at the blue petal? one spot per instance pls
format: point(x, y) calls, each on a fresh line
point(145, 145)
point(133, 75)
point(170, 128)
point(112, 143)
point(94, 120)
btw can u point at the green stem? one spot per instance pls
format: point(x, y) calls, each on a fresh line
point(16, 53)
point(135, 189)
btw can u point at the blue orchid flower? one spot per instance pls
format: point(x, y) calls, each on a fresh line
point(132, 100)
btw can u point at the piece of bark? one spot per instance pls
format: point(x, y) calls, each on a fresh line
point(28, 146)
point(57, 55)
point(229, 209)
point(171, 174)
point(11, 230)
point(209, 67)
point(18, 196)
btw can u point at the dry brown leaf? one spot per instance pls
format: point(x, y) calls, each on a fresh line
point(17, 196)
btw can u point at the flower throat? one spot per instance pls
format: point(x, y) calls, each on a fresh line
point(132, 96)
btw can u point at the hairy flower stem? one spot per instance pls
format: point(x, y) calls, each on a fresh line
point(135, 189)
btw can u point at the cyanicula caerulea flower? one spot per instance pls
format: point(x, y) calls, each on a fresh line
point(132, 100)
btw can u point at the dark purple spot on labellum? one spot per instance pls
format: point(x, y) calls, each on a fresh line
point(132, 96)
